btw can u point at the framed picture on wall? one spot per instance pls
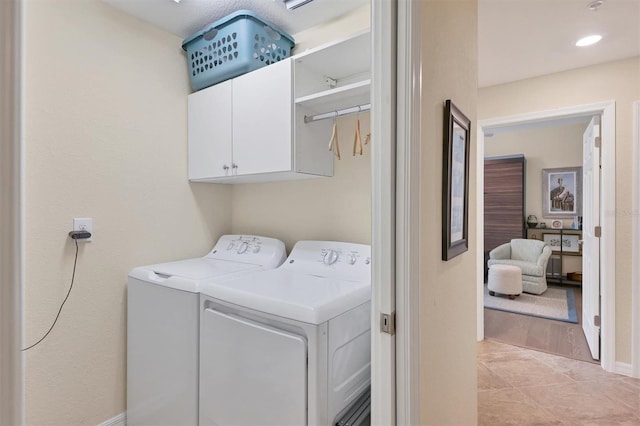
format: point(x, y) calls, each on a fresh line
point(562, 192)
point(455, 182)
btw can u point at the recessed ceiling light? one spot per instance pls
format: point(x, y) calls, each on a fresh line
point(595, 5)
point(589, 40)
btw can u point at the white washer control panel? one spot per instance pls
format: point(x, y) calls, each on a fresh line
point(331, 259)
point(249, 249)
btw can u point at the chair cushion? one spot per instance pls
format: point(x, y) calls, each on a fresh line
point(528, 268)
point(527, 250)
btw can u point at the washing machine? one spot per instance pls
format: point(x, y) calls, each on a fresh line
point(289, 346)
point(163, 326)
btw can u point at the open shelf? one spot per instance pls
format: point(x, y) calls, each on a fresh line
point(339, 59)
point(357, 93)
point(344, 64)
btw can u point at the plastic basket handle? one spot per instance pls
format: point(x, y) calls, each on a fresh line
point(211, 34)
point(272, 33)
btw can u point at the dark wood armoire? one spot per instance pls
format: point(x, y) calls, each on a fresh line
point(504, 195)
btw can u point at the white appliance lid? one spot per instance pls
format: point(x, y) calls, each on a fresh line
point(189, 274)
point(232, 254)
point(306, 298)
point(199, 269)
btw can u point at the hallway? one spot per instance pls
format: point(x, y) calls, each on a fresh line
point(519, 386)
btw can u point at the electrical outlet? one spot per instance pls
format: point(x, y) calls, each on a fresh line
point(83, 224)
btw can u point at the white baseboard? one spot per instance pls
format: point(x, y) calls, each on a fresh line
point(624, 369)
point(119, 420)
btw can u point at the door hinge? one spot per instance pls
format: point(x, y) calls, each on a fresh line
point(597, 232)
point(596, 320)
point(388, 323)
point(598, 141)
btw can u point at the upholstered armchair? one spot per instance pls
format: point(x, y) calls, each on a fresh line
point(531, 256)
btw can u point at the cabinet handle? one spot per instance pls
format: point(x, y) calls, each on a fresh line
point(235, 166)
point(225, 167)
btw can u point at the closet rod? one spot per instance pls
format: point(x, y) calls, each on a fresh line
point(338, 113)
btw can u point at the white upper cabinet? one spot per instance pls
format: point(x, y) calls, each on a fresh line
point(262, 114)
point(210, 132)
point(256, 127)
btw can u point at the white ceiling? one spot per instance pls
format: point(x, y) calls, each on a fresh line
point(185, 18)
point(520, 39)
point(517, 39)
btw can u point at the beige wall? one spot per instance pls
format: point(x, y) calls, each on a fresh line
point(619, 81)
point(448, 289)
point(543, 148)
point(105, 138)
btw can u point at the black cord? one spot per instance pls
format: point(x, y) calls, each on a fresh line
point(63, 302)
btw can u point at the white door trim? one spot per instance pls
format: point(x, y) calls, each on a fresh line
point(408, 215)
point(11, 359)
point(635, 281)
point(608, 217)
point(383, 240)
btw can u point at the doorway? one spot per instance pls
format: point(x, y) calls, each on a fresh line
point(607, 242)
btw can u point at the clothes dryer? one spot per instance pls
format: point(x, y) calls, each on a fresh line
point(163, 326)
point(289, 346)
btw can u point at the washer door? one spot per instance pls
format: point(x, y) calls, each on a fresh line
point(250, 373)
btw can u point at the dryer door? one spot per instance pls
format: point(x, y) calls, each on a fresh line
point(250, 373)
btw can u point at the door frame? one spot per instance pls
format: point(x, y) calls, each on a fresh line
point(635, 279)
point(383, 230)
point(11, 210)
point(396, 98)
point(607, 219)
point(409, 103)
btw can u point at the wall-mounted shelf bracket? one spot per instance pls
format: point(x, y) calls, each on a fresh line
point(331, 82)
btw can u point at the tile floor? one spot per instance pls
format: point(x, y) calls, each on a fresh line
point(518, 386)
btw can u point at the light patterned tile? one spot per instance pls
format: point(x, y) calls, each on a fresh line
point(489, 381)
point(582, 403)
point(524, 370)
point(621, 390)
point(510, 407)
point(632, 381)
point(497, 357)
point(588, 397)
point(577, 370)
point(492, 346)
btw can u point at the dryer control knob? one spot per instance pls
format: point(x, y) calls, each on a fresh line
point(243, 247)
point(256, 249)
point(352, 259)
point(330, 257)
point(230, 246)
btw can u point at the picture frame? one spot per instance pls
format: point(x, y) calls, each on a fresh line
point(556, 224)
point(562, 192)
point(570, 243)
point(455, 182)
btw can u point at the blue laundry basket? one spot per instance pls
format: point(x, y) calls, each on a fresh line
point(234, 45)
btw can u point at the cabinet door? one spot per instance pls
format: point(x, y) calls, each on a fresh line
point(210, 132)
point(262, 120)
